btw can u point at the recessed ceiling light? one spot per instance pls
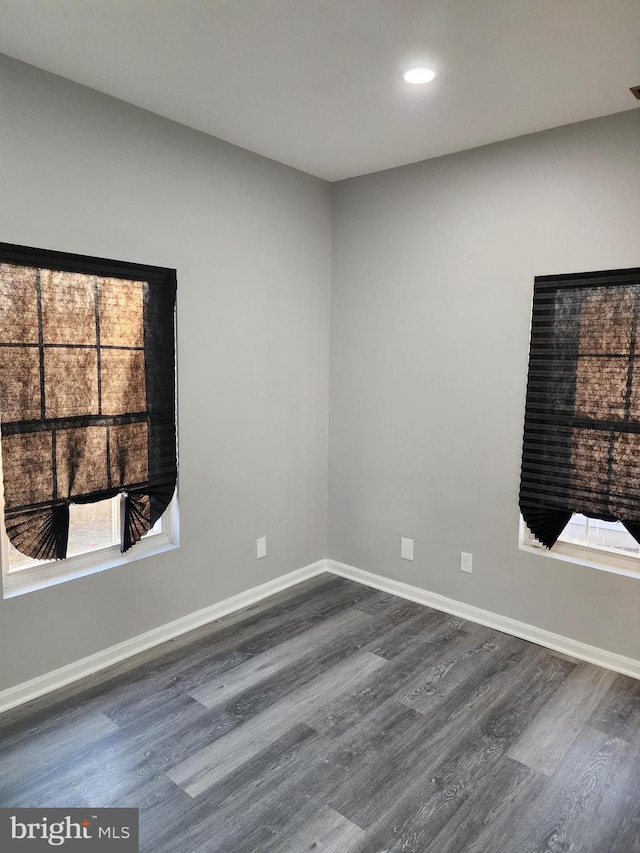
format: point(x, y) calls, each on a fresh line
point(419, 74)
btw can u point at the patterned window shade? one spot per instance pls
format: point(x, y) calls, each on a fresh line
point(581, 450)
point(87, 393)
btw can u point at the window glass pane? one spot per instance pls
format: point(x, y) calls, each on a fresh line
point(601, 534)
point(576, 530)
point(19, 561)
point(93, 526)
point(612, 534)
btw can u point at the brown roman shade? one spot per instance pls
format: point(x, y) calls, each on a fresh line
point(87, 393)
point(581, 449)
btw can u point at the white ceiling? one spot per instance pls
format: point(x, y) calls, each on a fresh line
point(314, 83)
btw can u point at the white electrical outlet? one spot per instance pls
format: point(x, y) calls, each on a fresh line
point(406, 548)
point(261, 547)
point(465, 562)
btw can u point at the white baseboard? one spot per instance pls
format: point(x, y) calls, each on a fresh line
point(556, 642)
point(28, 690)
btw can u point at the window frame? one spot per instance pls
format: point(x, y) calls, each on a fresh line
point(30, 578)
point(582, 554)
point(34, 577)
point(589, 555)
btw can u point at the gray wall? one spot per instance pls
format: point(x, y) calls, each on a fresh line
point(81, 172)
point(433, 268)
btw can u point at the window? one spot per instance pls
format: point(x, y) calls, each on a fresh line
point(590, 542)
point(610, 535)
point(580, 482)
point(87, 404)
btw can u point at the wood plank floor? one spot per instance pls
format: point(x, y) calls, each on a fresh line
point(335, 718)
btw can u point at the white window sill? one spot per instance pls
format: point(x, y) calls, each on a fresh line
point(32, 578)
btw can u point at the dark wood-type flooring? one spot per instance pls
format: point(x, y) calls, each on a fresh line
point(335, 718)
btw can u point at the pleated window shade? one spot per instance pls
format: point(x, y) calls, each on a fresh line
point(581, 448)
point(87, 393)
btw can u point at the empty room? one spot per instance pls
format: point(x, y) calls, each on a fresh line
point(320, 426)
